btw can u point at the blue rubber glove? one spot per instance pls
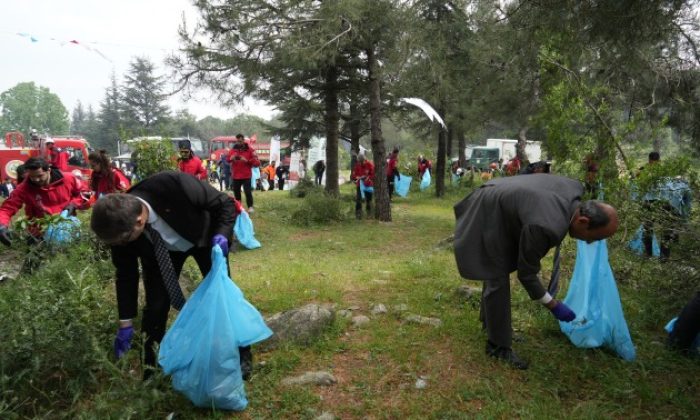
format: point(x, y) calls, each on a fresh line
point(221, 241)
point(563, 312)
point(122, 343)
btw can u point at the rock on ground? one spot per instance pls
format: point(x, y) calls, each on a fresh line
point(417, 319)
point(311, 378)
point(300, 326)
point(378, 309)
point(466, 292)
point(360, 320)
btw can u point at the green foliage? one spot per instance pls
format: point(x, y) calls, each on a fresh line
point(28, 106)
point(319, 208)
point(153, 156)
point(304, 187)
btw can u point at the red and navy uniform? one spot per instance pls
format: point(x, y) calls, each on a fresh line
point(242, 169)
point(193, 166)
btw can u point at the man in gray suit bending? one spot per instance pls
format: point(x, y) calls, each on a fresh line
point(510, 224)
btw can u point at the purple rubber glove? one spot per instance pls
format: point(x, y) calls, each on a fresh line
point(122, 343)
point(563, 312)
point(221, 241)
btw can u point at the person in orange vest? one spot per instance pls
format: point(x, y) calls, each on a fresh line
point(189, 163)
point(270, 171)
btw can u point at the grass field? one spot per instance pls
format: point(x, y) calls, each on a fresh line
point(358, 264)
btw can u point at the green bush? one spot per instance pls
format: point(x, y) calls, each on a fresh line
point(153, 156)
point(318, 208)
point(304, 187)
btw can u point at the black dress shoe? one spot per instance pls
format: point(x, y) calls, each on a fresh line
point(246, 356)
point(507, 355)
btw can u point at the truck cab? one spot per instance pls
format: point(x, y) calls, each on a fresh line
point(482, 157)
point(15, 150)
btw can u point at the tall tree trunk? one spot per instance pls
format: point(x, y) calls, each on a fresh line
point(332, 118)
point(355, 123)
point(522, 142)
point(450, 132)
point(441, 167)
point(382, 207)
point(462, 144)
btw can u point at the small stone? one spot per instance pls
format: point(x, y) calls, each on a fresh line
point(466, 292)
point(360, 320)
point(417, 319)
point(421, 383)
point(379, 309)
point(311, 378)
point(353, 308)
point(326, 416)
point(345, 313)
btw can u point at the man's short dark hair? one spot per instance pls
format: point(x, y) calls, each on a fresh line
point(35, 163)
point(114, 216)
point(654, 156)
point(240, 136)
point(597, 216)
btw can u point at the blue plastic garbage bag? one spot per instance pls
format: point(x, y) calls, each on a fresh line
point(455, 179)
point(244, 231)
point(254, 178)
point(364, 189)
point(402, 185)
point(200, 350)
point(593, 296)
point(63, 232)
point(425, 181)
point(636, 244)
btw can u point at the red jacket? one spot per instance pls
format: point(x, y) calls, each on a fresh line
point(424, 165)
point(365, 169)
point(58, 158)
point(242, 169)
point(40, 201)
point(193, 166)
point(391, 164)
point(101, 184)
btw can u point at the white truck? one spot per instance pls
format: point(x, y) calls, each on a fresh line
point(480, 157)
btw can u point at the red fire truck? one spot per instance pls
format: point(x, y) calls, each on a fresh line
point(15, 150)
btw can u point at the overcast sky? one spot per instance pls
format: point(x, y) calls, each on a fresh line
point(109, 35)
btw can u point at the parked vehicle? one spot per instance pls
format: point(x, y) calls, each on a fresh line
point(16, 149)
point(500, 151)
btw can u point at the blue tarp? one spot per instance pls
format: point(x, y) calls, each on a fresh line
point(63, 232)
point(593, 296)
point(200, 350)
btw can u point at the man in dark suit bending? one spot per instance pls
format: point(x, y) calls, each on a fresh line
point(173, 213)
point(510, 224)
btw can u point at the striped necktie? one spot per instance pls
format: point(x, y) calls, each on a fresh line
point(553, 287)
point(177, 299)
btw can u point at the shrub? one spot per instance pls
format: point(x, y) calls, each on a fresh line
point(304, 187)
point(318, 208)
point(153, 156)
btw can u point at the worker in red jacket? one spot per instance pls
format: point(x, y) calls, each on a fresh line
point(423, 165)
point(243, 159)
point(44, 191)
point(392, 170)
point(189, 163)
point(58, 158)
point(363, 176)
point(105, 179)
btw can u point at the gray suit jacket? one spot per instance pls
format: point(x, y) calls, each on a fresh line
point(511, 223)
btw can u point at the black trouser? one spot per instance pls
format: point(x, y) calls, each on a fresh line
point(225, 181)
point(246, 188)
point(688, 325)
point(319, 177)
point(280, 184)
point(495, 313)
point(367, 199)
point(390, 184)
point(659, 216)
point(271, 184)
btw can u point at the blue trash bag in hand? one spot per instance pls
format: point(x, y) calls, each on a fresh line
point(425, 182)
point(255, 175)
point(64, 231)
point(402, 185)
point(244, 231)
point(593, 296)
point(200, 350)
point(365, 189)
point(636, 244)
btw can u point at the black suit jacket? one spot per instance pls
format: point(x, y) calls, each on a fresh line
point(511, 223)
point(194, 209)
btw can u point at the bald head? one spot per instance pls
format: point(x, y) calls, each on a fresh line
point(593, 221)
